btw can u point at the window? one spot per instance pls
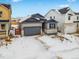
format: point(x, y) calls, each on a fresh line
point(50, 17)
point(69, 17)
point(77, 18)
point(0, 13)
point(54, 17)
point(2, 26)
point(52, 26)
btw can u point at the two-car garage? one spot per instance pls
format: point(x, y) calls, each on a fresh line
point(30, 31)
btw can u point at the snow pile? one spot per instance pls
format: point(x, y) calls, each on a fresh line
point(57, 45)
point(25, 48)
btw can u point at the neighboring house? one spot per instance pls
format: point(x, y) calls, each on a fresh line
point(5, 16)
point(50, 26)
point(69, 25)
point(65, 17)
point(55, 14)
point(77, 21)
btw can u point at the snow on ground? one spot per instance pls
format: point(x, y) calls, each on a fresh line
point(72, 38)
point(64, 49)
point(57, 45)
point(25, 48)
point(41, 47)
point(71, 54)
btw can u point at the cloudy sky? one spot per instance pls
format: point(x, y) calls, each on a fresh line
point(21, 8)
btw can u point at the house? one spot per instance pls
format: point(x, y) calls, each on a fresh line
point(37, 25)
point(31, 26)
point(5, 16)
point(55, 14)
point(70, 17)
point(65, 17)
point(50, 26)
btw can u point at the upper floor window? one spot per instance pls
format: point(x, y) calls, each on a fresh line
point(54, 17)
point(77, 18)
point(0, 13)
point(69, 17)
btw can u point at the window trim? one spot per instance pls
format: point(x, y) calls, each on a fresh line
point(1, 27)
point(52, 26)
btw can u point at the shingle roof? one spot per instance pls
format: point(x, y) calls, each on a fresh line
point(37, 15)
point(35, 18)
point(64, 10)
point(52, 20)
point(7, 5)
point(31, 20)
point(76, 13)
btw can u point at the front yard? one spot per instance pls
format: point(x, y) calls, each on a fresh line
point(42, 47)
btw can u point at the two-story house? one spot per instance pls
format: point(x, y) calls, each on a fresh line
point(65, 17)
point(5, 16)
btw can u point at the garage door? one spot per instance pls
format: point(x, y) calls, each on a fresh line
point(29, 31)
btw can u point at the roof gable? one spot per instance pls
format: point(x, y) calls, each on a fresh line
point(64, 10)
point(76, 13)
point(52, 11)
point(6, 5)
point(51, 20)
point(31, 20)
point(37, 16)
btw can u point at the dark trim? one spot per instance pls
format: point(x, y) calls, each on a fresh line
point(33, 27)
point(6, 5)
point(30, 22)
point(76, 21)
point(51, 33)
point(4, 20)
point(76, 13)
point(64, 10)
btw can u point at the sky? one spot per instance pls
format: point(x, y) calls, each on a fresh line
point(22, 8)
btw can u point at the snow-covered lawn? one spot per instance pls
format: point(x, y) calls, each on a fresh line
point(67, 49)
point(25, 48)
point(56, 44)
point(41, 47)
